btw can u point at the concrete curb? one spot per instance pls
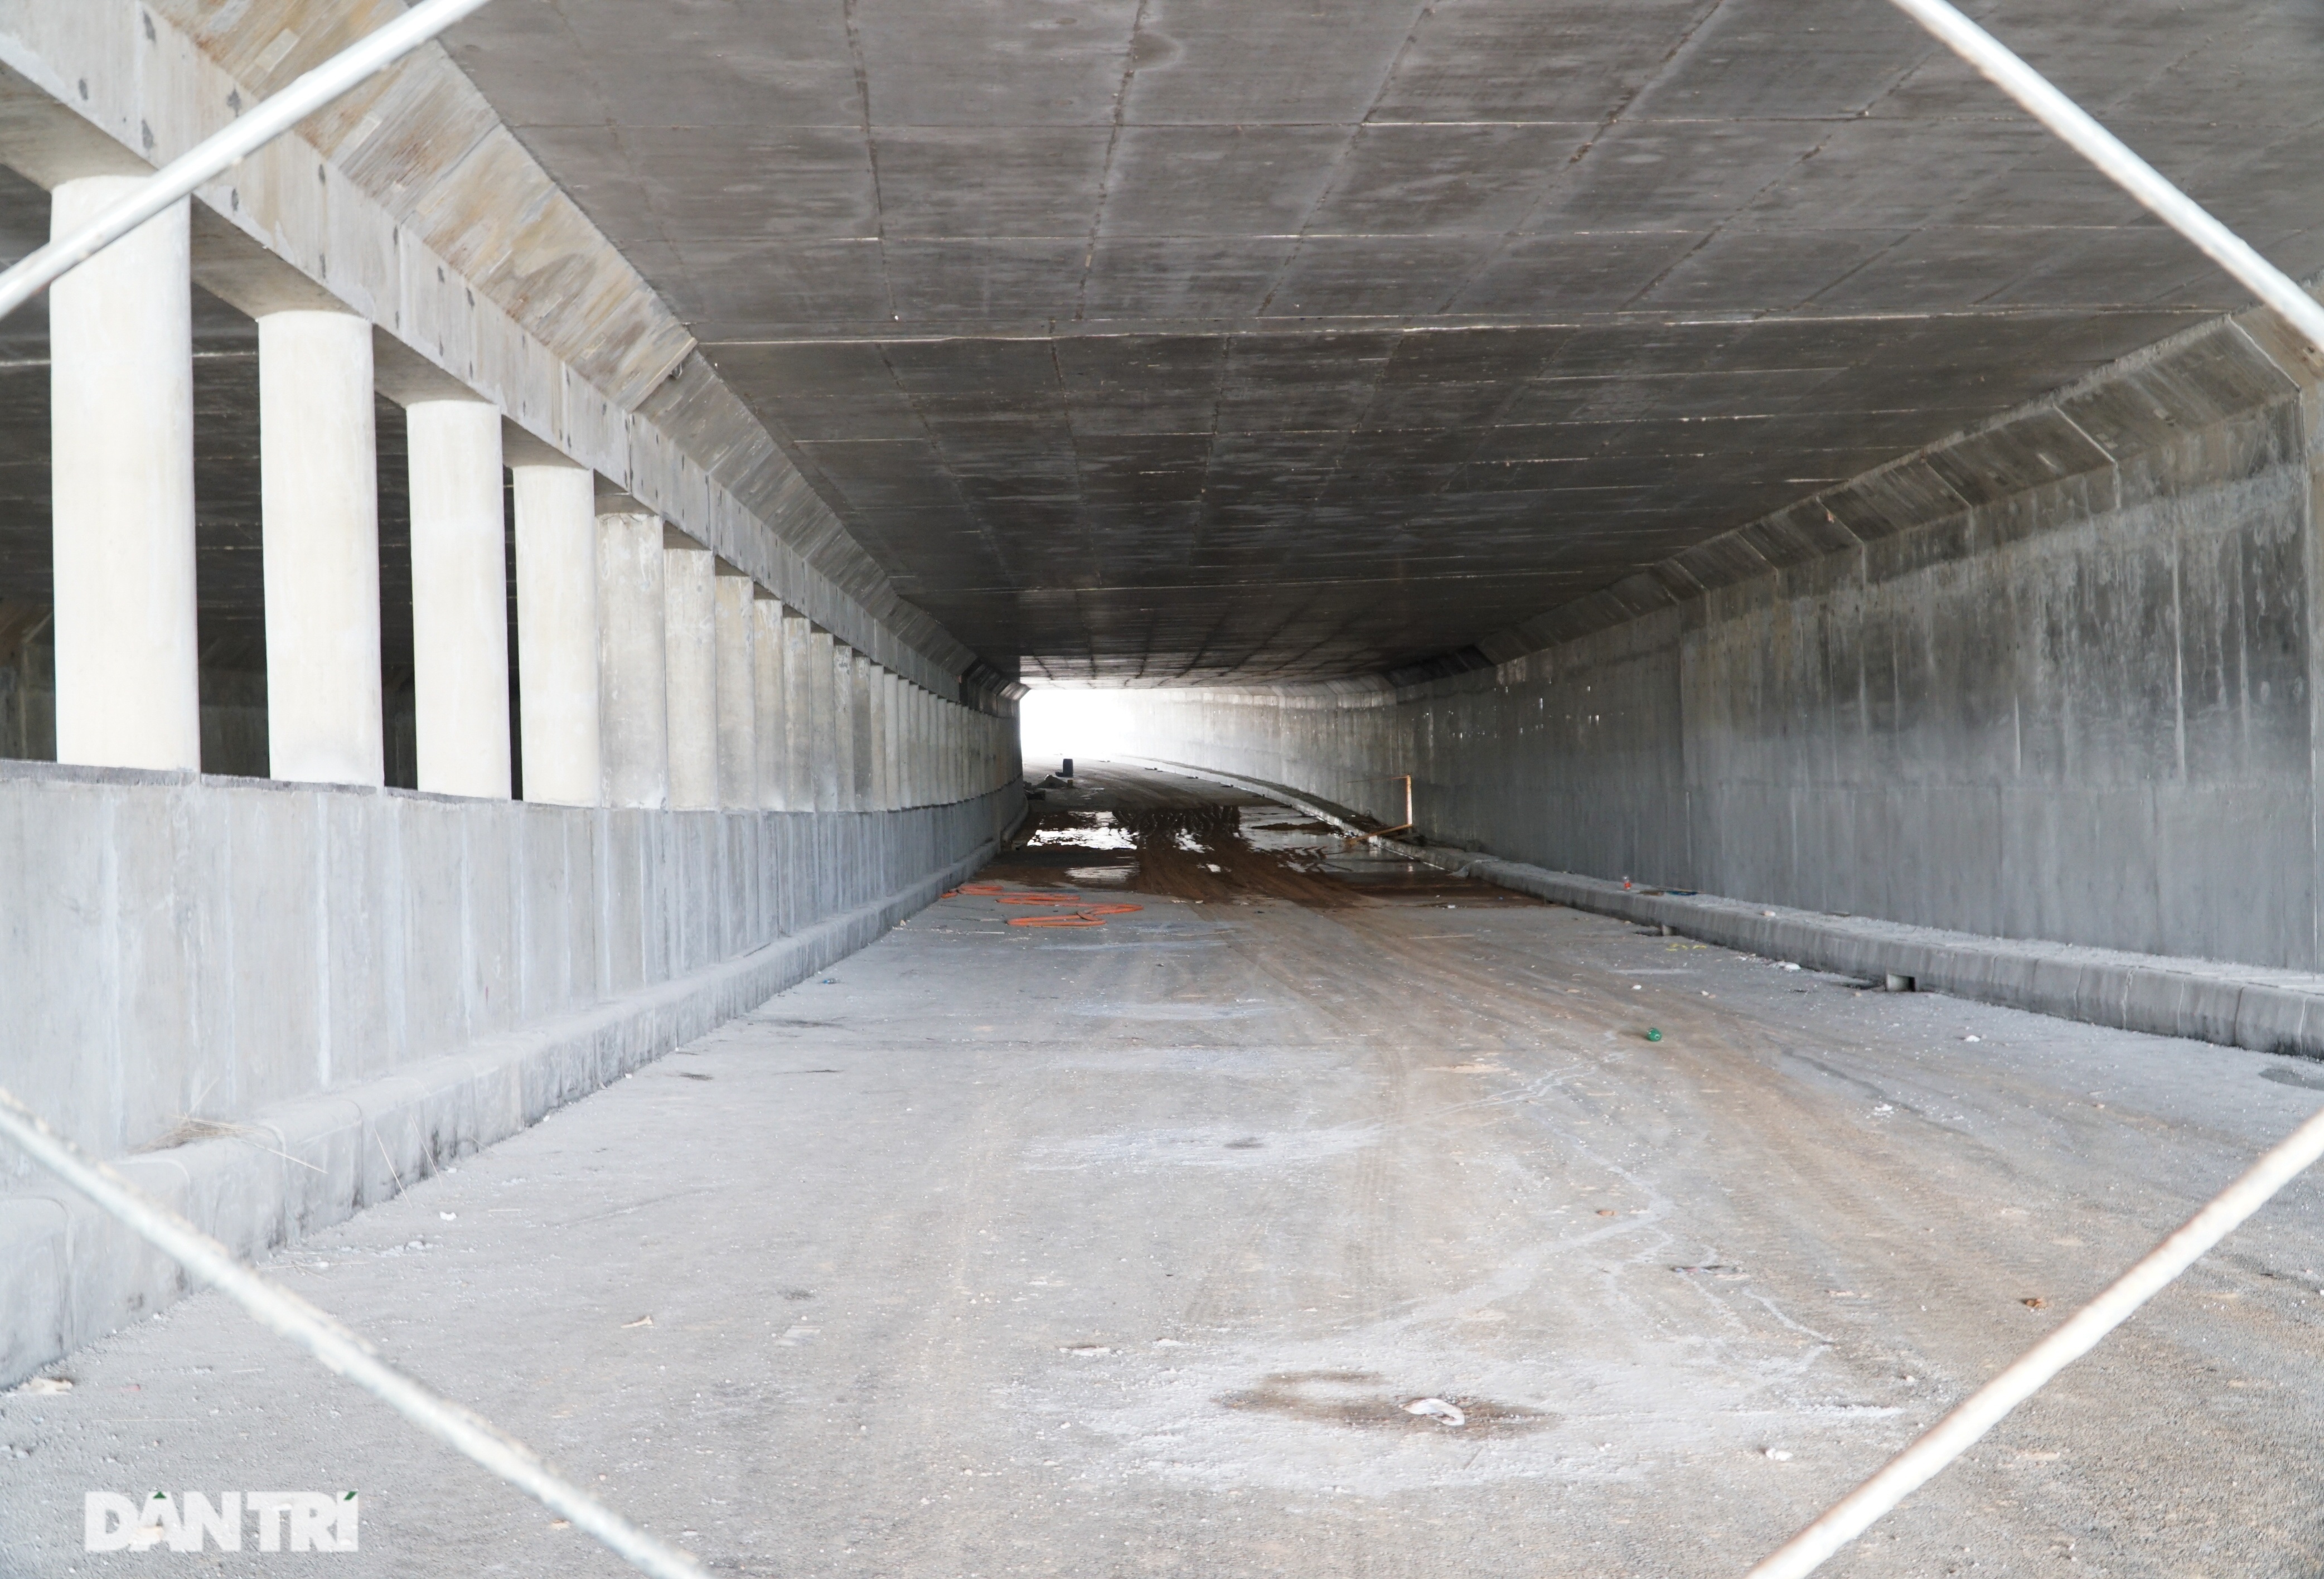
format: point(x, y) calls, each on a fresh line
point(71, 1274)
point(2245, 1006)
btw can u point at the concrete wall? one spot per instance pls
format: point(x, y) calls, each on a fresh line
point(180, 946)
point(277, 1002)
point(2053, 679)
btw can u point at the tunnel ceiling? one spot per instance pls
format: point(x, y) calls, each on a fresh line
point(1255, 339)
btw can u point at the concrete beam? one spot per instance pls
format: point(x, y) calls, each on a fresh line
point(330, 232)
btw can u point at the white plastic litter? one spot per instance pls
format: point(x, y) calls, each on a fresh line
point(1437, 1408)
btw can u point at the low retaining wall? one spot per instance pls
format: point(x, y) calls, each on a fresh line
point(573, 946)
point(2247, 1006)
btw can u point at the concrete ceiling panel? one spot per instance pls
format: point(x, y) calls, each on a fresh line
point(1387, 276)
point(1467, 408)
point(1551, 276)
point(808, 182)
point(1944, 267)
point(2133, 266)
point(1206, 279)
point(1141, 383)
point(1421, 179)
point(1232, 180)
point(1673, 175)
point(1031, 181)
point(1786, 60)
point(1231, 62)
point(1514, 61)
point(1014, 281)
point(1483, 305)
point(1775, 271)
point(822, 389)
point(1013, 63)
point(755, 290)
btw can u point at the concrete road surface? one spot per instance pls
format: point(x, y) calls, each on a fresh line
point(1123, 1245)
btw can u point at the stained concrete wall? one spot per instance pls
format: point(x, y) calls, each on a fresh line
point(2053, 679)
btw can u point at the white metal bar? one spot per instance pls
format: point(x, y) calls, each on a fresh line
point(215, 155)
point(1983, 1410)
point(340, 1350)
point(2113, 160)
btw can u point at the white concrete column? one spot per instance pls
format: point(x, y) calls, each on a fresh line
point(931, 766)
point(892, 743)
point(909, 754)
point(925, 726)
point(737, 684)
point(931, 781)
point(801, 742)
point(690, 630)
point(858, 714)
point(940, 753)
point(900, 729)
point(633, 654)
point(459, 597)
point(318, 507)
point(556, 635)
point(773, 725)
point(120, 435)
point(828, 743)
point(843, 724)
point(882, 766)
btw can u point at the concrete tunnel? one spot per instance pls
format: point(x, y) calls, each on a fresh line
point(1128, 788)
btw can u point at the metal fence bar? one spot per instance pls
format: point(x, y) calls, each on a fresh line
point(2114, 161)
point(339, 1349)
point(1978, 1413)
point(1983, 1410)
point(215, 155)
